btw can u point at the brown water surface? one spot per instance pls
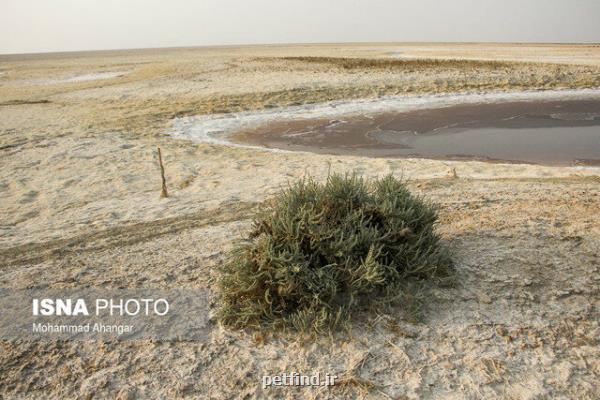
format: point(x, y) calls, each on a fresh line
point(541, 132)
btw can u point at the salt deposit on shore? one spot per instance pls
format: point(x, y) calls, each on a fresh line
point(214, 128)
point(85, 77)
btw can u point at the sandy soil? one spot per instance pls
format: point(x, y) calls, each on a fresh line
point(81, 207)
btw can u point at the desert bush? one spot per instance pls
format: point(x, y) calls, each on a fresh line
point(317, 252)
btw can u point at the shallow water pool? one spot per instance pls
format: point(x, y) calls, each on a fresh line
point(542, 132)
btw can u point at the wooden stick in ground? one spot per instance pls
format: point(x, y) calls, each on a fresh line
point(164, 192)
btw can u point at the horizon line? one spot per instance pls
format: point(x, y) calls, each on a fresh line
point(50, 52)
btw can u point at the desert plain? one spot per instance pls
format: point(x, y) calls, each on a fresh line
point(81, 207)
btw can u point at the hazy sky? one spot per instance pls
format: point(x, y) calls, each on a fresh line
point(59, 25)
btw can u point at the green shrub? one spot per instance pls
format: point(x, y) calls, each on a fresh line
point(317, 252)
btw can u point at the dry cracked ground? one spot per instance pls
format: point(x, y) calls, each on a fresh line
point(81, 208)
